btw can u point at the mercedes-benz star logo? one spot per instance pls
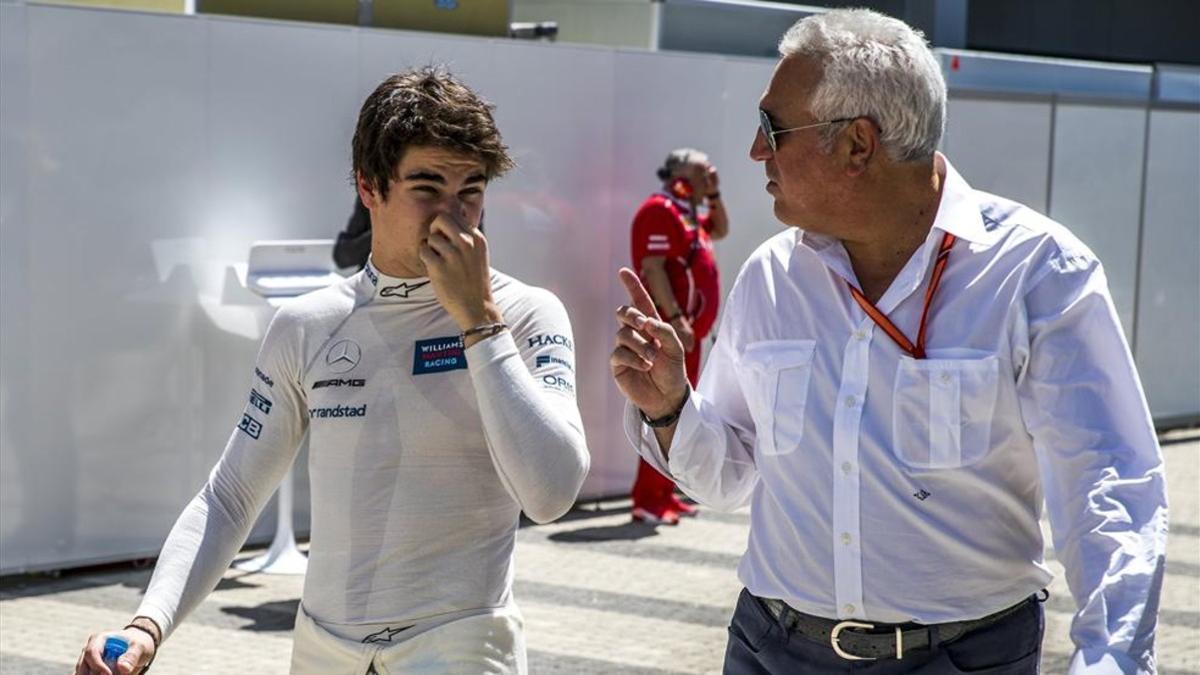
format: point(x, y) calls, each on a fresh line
point(343, 356)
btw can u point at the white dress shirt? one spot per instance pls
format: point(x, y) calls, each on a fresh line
point(886, 488)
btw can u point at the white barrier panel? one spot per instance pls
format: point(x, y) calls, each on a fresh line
point(1096, 186)
point(1168, 327)
point(140, 155)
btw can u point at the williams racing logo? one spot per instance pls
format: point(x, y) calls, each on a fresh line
point(437, 355)
point(338, 382)
point(338, 411)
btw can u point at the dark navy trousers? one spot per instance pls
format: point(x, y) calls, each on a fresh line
point(759, 645)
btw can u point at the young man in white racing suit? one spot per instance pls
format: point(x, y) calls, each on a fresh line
point(438, 395)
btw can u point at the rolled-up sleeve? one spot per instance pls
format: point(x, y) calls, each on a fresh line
point(1100, 463)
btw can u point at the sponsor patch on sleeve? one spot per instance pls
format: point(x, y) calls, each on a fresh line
point(549, 361)
point(437, 355)
point(557, 383)
point(264, 377)
point(261, 402)
point(551, 339)
point(250, 426)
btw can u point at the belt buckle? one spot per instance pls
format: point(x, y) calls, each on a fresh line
point(837, 647)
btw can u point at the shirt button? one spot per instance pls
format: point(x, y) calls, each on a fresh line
point(847, 467)
point(851, 401)
point(945, 377)
point(860, 335)
point(847, 609)
point(846, 538)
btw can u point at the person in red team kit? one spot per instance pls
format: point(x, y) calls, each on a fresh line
point(673, 254)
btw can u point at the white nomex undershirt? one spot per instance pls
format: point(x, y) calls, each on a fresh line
point(421, 454)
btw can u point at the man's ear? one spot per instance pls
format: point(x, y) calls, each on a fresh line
point(366, 192)
point(862, 138)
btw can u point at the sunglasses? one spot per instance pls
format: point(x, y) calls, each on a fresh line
point(769, 131)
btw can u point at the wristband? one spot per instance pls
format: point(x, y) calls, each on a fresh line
point(153, 638)
point(670, 418)
point(487, 330)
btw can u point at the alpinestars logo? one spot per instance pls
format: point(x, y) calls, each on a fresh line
point(384, 635)
point(400, 290)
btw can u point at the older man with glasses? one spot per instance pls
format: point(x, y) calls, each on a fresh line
point(902, 381)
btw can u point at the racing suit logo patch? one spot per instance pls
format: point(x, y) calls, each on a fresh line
point(437, 355)
point(250, 426)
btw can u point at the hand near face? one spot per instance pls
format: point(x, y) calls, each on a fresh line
point(455, 255)
point(714, 181)
point(647, 362)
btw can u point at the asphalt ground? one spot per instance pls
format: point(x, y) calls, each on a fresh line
point(599, 593)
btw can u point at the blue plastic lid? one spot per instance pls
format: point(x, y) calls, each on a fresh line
point(115, 646)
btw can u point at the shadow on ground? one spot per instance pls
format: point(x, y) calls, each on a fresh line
point(275, 616)
point(628, 531)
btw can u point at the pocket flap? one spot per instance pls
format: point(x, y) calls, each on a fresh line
point(771, 355)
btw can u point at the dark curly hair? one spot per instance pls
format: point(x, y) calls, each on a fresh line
point(424, 106)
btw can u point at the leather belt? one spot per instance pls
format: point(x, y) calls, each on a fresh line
point(861, 641)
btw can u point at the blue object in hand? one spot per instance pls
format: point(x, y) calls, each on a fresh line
point(114, 647)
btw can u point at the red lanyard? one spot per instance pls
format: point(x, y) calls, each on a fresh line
point(881, 320)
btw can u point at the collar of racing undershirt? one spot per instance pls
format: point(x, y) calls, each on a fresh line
point(382, 287)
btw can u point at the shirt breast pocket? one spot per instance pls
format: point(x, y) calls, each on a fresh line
point(942, 410)
point(775, 377)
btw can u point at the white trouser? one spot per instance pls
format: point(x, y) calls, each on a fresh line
point(492, 642)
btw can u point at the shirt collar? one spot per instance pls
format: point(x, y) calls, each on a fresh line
point(958, 211)
point(380, 287)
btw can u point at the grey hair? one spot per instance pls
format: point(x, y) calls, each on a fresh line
point(677, 158)
point(878, 67)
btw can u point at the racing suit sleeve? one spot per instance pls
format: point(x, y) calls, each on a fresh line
point(525, 384)
point(261, 448)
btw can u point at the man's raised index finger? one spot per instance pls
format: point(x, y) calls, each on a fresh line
point(637, 293)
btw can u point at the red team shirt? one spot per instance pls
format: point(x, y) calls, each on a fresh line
point(665, 226)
